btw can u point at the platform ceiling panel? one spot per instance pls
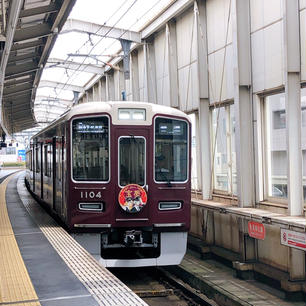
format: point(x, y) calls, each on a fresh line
point(38, 25)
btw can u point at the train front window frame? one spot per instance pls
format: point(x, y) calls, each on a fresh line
point(105, 149)
point(137, 140)
point(167, 173)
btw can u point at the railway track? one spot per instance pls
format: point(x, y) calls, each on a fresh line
point(157, 287)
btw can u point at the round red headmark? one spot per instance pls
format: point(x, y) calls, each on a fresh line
point(132, 198)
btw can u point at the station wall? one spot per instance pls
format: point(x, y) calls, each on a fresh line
point(245, 59)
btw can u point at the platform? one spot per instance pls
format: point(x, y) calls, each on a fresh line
point(41, 264)
point(219, 282)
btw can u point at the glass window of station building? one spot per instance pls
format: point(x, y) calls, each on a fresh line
point(275, 147)
point(223, 150)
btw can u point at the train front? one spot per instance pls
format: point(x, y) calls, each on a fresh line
point(130, 181)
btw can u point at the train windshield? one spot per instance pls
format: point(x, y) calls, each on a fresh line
point(171, 149)
point(132, 160)
point(90, 149)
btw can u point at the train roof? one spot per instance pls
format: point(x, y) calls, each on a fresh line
point(112, 107)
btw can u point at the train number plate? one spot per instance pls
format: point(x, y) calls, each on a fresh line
point(90, 194)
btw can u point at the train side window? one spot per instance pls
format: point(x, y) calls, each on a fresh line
point(171, 150)
point(46, 160)
point(37, 159)
point(90, 149)
point(29, 160)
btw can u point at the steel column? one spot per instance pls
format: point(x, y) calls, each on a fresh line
point(243, 103)
point(204, 113)
point(172, 62)
point(293, 105)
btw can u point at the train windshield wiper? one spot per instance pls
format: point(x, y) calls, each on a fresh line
point(164, 176)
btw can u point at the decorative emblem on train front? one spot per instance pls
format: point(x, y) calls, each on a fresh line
point(132, 198)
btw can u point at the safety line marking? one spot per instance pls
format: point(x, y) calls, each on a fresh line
point(103, 286)
point(15, 283)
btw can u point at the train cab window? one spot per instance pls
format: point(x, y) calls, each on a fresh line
point(171, 150)
point(90, 149)
point(132, 160)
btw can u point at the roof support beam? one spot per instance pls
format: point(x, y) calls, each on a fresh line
point(41, 99)
point(14, 59)
point(27, 45)
point(17, 81)
point(33, 32)
point(15, 70)
point(16, 89)
point(58, 85)
point(60, 63)
point(44, 106)
point(74, 25)
point(51, 8)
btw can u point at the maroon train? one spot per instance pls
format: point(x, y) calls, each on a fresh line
point(120, 169)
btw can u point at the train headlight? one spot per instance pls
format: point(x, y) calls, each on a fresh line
point(91, 206)
point(131, 114)
point(169, 205)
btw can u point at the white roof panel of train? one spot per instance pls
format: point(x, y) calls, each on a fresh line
point(112, 108)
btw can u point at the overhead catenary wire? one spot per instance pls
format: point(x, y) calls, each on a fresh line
point(102, 25)
point(73, 75)
point(92, 48)
point(129, 28)
point(89, 39)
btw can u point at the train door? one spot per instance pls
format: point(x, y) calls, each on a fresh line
point(133, 174)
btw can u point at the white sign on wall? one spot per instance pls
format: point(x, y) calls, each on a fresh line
point(293, 239)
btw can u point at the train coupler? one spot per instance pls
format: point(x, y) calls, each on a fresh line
point(133, 238)
point(129, 239)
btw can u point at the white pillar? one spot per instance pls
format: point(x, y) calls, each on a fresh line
point(151, 71)
point(172, 62)
point(204, 117)
point(243, 103)
point(134, 76)
point(204, 131)
point(293, 105)
point(146, 74)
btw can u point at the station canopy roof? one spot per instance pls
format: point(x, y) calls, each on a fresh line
point(86, 44)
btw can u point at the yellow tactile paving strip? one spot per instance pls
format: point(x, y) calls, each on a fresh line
point(15, 284)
